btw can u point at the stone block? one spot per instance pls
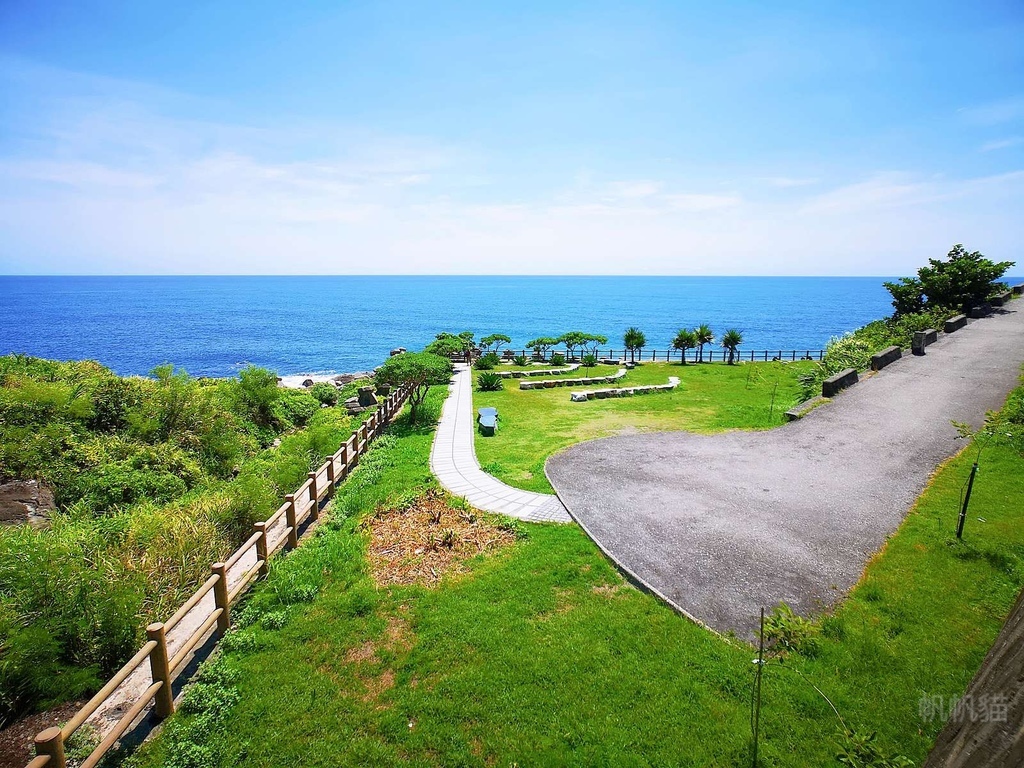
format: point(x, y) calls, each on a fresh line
point(922, 339)
point(397, 351)
point(885, 357)
point(833, 385)
point(578, 397)
point(954, 324)
point(997, 300)
point(1017, 290)
point(982, 310)
point(367, 397)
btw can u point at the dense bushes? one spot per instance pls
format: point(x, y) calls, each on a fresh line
point(154, 479)
point(854, 350)
point(487, 362)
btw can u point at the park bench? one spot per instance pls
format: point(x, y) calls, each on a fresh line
point(488, 421)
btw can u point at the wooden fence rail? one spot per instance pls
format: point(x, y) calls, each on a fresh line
point(228, 580)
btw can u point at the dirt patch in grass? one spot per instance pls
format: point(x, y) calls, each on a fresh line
point(421, 542)
point(16, 740)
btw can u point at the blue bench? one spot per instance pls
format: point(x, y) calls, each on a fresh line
point(488, 421)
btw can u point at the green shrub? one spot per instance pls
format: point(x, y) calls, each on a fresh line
point(588, 361)
point(489, 382)
point(786, 631)
point(326, 393)
point(294, 408)
point(521, 360)
point(557, 359)
point(487, 362)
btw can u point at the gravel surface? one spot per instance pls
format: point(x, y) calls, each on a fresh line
point(721, 525)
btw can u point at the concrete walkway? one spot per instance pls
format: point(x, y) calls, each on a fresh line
point(453, 462)
point(721, 525)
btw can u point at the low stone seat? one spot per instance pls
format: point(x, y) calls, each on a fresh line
point(487, 418)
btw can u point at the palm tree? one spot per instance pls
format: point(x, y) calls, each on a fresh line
point(704, 336)
point(634, 340)
point(731, 340)
point(684, 340)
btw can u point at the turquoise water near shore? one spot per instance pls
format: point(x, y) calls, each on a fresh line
point(213, 326)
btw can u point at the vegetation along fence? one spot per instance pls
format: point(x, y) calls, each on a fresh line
point(170, 644)
point(692, 355)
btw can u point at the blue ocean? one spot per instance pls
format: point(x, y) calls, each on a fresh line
point(213, 326)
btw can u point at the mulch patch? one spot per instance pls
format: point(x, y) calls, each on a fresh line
point(421, 542)
point(16, 739)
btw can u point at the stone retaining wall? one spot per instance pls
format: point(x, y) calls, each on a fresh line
point(954, 324)
point(885, 357)
point(549, 383)
point(538, 372)
point(1017, 290)
point(602, 394)
point(831, 386)
point(1000, 299)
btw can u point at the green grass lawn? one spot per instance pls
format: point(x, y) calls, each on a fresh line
point(711, 397)
point(541, 655)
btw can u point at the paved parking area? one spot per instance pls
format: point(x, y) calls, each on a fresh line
point(721, 525)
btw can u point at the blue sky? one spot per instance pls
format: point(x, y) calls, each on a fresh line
point(531, 138)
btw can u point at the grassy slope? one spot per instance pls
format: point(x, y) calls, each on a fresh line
point(711, 397)
point(542, 656)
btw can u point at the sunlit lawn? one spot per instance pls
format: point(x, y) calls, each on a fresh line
point(711, 397)
point(541, 655)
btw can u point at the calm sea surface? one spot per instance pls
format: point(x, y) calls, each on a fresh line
point(213, 326)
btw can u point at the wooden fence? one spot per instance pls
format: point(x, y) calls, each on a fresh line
point(209, 608)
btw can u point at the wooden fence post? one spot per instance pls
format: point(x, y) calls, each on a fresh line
point(51, 744)
point(314, 496)
point(290, 521)
point(160, 667)
point(262, 547)
point(220, 595)
point(331, 480)
point(343, 458)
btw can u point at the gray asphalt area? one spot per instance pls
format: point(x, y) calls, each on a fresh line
point(721, 525)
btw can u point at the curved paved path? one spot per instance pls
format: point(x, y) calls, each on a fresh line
point(453, 462)
point(720, 525)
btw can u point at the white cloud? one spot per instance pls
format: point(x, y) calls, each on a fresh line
point(1006, 110)
point(1012, 141)
point(787, 182)
point(114, 185)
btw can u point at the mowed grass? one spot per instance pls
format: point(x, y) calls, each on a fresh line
point(542, 655)
point(711, 397)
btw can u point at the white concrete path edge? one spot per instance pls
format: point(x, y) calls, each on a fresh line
point(453, 461)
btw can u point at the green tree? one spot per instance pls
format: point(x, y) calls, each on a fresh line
point(497, 339)
point(731, 340)
point(418, 370)
point(635, 340)
point(685, 339)
point(541, 345)
point(451, 344)
point(964, 280)
point(572, 341)
point(704, 335)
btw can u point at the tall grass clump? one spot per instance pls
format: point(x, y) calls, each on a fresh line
point(154, 479)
